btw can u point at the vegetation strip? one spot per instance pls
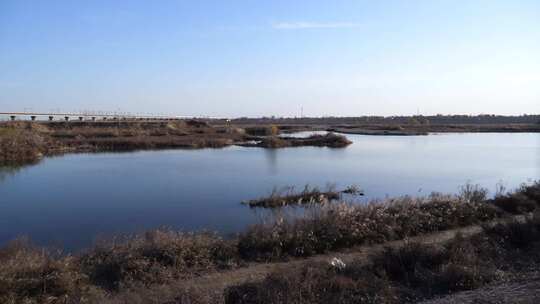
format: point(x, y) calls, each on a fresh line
point(33, 275)
point(27, 142)
point(309, 195)
point(409, 273)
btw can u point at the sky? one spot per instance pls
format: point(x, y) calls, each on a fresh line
point(271, 58)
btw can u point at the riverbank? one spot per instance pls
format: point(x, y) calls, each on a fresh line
point(27, 142)
point(425, 129)
point(24, 142)
point(401, 125)
point(163, 266)
point(458, 266)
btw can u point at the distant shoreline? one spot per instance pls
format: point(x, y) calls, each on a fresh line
point(25, 142)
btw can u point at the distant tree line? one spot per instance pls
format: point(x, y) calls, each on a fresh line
point(415, 119)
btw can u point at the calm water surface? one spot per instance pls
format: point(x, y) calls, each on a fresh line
point(69, 201)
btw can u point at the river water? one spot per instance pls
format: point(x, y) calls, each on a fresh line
point(70, 201)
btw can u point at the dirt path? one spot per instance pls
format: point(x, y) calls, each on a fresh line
point(218, 282)
point(523, 291)
point(213, 285)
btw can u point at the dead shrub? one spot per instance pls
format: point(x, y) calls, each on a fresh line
point(32, 275)
point(336, 226)
point(413, 264)
point(313, 283)
point(515, 203)
point(525, 199)
point(516, 235)
point(18, 146)
point(473, 193)
point(157, 257)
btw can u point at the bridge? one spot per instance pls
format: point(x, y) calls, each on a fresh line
point(104, 116)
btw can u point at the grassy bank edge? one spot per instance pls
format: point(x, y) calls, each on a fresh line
point(32, 274)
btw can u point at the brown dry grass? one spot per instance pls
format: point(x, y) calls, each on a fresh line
point(156, 257)
point(330, 140)
point(288, 196)
point(405, 274)
point(163, 265)
point(27, 142)
point(332, 227)
point(19, 146)
point(34, 275)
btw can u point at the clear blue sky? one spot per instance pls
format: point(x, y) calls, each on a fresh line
point(253, 58)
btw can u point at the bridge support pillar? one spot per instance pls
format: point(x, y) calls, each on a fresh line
point(93, 119)
point(13, 117)
point(51, 118)
point(66, 118)
point(81, 118)
point(33, 117)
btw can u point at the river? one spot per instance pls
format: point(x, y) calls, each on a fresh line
point(70, 201)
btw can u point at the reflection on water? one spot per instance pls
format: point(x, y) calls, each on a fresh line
point(271, 157)
point(71, 200)
point(7, 171)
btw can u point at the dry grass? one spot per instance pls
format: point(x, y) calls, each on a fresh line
point(406, 274)
point(313, 283)
point(147, 268)
point(288, 196)
point(330, 139)
point(156, 257)
point(34, 275)
point(525, 199)
point(18, 146)
point(332, 227)
point(26, 142)
point(271, 130)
